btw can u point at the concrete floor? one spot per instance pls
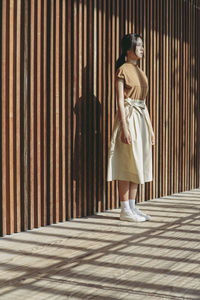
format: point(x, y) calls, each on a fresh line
point(101, 257)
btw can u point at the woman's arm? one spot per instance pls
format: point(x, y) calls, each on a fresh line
point(148, 118)
point(120, 101)
point(149, 121)
point(125, 136)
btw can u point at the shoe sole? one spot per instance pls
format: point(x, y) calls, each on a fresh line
point(131, 220)
point(147, 218)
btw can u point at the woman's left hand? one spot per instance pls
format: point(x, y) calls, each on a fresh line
point(152, 138)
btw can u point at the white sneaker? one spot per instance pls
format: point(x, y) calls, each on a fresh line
point(129, 215)
point(139, 213)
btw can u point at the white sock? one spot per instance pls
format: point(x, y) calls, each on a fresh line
point(132, 203)
point(124, 204)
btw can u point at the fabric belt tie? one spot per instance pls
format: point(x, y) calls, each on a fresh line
point(138, 105)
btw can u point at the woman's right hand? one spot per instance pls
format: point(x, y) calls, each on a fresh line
point(125, 136)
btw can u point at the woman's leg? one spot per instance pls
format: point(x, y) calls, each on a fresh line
point(132, 190)
point(123, 187)
point(126, 212)
point(132, 195)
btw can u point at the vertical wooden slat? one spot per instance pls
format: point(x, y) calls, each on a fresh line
point(169, 56)
point(188, 97)
point(104, 69)
point(180, 169)
point(175, 101)
point(172, 99)
point(197, 94)
point(44, 116)
point(38, 113)
point(32, 116)
point(108, 103)
point(5, 102)
point(84, 116)
point(25, 121)
point(184, 98)
point(112, 87)
point(153, 85)
point(156, 108)
point(18, 118)
point(166, 57)
point(74, 97)
point(57, 113)
point(64, 92)
point(130, 20)
point(78, 136)
point(52, 122)
point(100, 92)
point(164, 148)
point(160, 103)
point(186, 101)
point(11, 118)
point(69, 115)
point(90, 117)
point(192, 97)
point(94, 112)
point(133, 18)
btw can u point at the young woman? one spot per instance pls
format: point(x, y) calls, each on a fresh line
point(130, 153)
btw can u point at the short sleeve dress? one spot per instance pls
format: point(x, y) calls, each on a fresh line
point(132, 162)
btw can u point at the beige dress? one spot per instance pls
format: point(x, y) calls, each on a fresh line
point(132, 162)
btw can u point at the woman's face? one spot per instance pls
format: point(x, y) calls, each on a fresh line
point(139, 50)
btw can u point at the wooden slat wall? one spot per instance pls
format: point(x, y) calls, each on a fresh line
point(58, 103)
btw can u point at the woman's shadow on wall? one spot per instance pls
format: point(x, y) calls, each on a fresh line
point(87, 150)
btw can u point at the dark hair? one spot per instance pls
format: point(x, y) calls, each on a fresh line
point(128, 41)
